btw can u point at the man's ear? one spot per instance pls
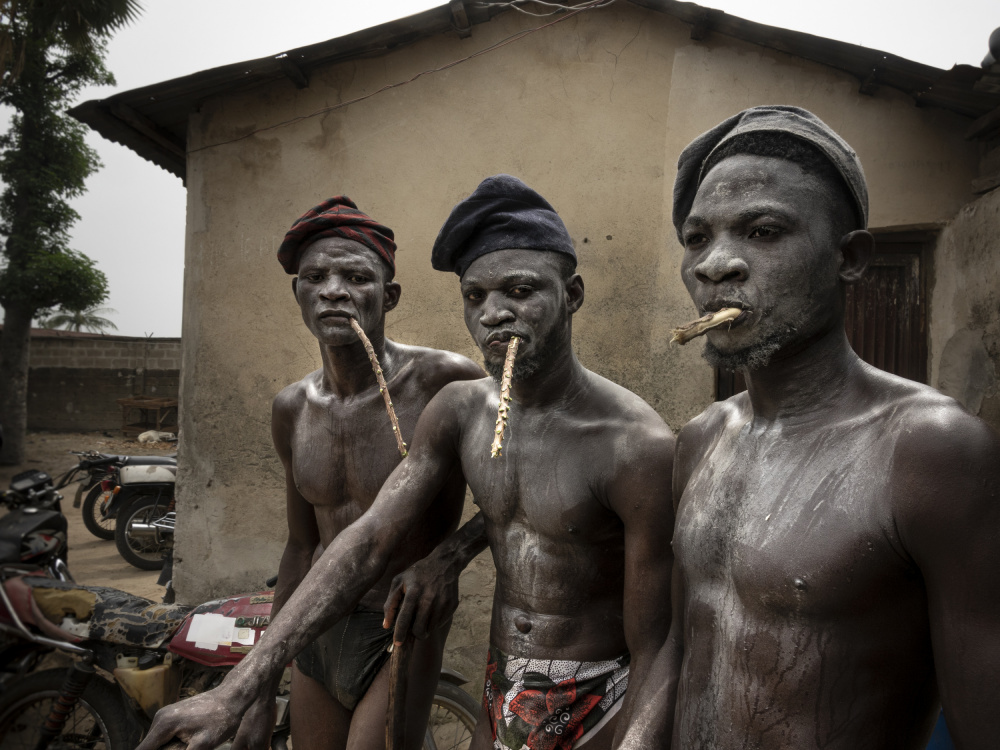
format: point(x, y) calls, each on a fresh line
point(856, 249)
point(390, 295)
point(574, 293)
point(295, 287)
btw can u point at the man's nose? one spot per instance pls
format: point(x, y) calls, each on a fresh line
point(334, 289)
point(721, 263)
point(494, 311)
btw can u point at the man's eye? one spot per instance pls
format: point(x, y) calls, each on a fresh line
point(694, 239)
point(475, 296)
point(314, 277)
point(357, 279)
point(520, 291)
point(766, 230)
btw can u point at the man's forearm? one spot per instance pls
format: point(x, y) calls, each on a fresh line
point(292, 570)
point(457, 551)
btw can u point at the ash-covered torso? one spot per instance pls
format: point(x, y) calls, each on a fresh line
point(344, 449)
point(558, 546)
point(805, 622)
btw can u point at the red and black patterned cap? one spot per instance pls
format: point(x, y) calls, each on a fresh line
point(336, 217)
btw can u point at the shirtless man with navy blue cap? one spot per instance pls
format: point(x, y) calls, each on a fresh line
point(837, 572)
point(576, 508)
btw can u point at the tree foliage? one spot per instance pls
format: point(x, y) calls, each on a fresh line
point(49, 51)
point(92, 320)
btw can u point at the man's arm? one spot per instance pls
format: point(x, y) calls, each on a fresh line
point(303, 533)
point(946, 503)
point(354, 561)
point(425, 595)
point(641, 496)
point(651, 724)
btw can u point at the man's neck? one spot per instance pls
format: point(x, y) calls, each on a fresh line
point(347, 371)
point(810, 382)
point(560, 379)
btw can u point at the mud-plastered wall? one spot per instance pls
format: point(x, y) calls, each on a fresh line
point(965, 309)
point(591, 112)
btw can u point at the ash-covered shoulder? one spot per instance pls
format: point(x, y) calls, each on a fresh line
point(935, 431)
point(628, 412)
point(438, 366)
point(292, 395)
point(715, 419)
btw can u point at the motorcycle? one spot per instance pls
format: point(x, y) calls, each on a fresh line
point(143, 506)
point(104, 485)
point(128, 656)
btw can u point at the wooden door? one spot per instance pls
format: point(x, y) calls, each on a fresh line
point(886, 316)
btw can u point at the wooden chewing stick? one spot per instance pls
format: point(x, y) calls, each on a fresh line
point(699, 327)
point(382, 387)
point(503, 410)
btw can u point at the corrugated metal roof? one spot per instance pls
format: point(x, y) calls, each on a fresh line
point(152, 120)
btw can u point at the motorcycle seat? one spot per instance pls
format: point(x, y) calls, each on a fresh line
point(168, 460)
point(106, 614)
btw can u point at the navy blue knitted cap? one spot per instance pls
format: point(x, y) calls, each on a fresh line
point(502, 214)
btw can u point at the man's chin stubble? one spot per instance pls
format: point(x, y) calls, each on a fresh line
point(752, 358)
point(523, 368)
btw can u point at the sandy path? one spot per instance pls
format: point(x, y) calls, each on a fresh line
point(92, 561)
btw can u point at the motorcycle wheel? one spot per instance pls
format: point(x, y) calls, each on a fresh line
point(99, 720)
point(453, 719)
point(144, 551)
point(98, 524)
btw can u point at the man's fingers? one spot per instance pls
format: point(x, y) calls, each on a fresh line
point(404, 619)
point(396, 593)
point(159, 735)
point(422, 618)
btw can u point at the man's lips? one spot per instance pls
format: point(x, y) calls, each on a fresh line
point(715, 305)
point(498, 340)
point(327, 314)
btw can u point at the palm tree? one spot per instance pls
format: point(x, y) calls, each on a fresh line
point(90, 320)
point(82, 24)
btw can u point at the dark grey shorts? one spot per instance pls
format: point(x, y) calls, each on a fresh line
point(348, 656)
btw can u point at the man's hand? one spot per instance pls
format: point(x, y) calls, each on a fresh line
point(425, 596)
point(206, 721)
point(422, 598)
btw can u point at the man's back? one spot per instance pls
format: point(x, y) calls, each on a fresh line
point(806, 622)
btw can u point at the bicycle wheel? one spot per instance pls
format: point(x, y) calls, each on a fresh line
point(98, 722)
point(137, 544)
point(100, 525)
point(453, 719)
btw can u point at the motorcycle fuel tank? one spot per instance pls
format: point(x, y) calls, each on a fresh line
point(221, 632)
point(148, 474)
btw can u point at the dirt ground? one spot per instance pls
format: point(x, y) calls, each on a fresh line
point(92, 561)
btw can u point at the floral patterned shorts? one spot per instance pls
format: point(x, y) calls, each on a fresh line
point(547, 704)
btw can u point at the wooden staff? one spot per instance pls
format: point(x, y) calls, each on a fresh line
point(399, 668)
point(382, 387)
point(503, 410)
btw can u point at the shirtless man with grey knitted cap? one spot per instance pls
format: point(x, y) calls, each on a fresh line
point(837, 572)
point(575, 507)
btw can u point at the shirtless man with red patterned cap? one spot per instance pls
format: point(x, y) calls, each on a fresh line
point(335, 441)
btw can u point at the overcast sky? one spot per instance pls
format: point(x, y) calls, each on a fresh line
point(144, 258)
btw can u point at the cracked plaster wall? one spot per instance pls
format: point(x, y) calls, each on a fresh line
point(965, 309)
point(593, 113)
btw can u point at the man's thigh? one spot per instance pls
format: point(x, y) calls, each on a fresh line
point(318, 721)
point(368, 722)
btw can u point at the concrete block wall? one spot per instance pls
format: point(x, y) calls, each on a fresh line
point(74, 382)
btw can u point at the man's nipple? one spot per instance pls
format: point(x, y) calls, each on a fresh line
point(523, 624)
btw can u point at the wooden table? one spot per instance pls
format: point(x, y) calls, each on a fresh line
point(154, 412)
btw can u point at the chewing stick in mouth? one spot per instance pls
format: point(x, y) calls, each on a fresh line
point(382, 387)
point(699, 327)
point(503, 411)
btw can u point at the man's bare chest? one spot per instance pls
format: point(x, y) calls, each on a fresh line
point(801, 525)
point(343, 455)
point(548, 478)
